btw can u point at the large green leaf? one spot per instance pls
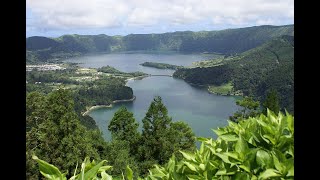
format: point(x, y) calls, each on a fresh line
point(129, 173)
point(219, 131)
point(190, 166)
point(188, 156)
point(290, 172)
point(290, 122)
point(48, 170)
point(194, 177)
point(263, 159)
point(232, 154)
point(105, 176)
point(241, 147)
point(229, 137)
point(277, 164)
point(91, 173)
point(241, 175)
point(269, 173)
point(271, 139)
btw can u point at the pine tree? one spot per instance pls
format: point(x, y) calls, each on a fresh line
point(161, 137)
point(155, 129)
point(59, 139)
point(250, 108)
point(124, 127)
point(271, 102)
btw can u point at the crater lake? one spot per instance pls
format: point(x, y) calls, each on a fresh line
point(194, 105)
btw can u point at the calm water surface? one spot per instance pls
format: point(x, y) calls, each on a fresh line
point(193, 105)
point(129, 62)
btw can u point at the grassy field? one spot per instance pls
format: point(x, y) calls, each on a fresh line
point(224, 89)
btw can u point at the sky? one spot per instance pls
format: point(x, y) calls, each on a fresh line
point(53, 18)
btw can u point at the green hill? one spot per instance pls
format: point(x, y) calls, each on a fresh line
point(254, 72)
point(229, 41)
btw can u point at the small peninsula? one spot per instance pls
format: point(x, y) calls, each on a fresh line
point(161, 65)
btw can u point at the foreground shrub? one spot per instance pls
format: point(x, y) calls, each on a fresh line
point(259, 147)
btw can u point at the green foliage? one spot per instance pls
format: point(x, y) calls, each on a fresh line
point(120, 156)
point(260, 148)
point(112, 70)
point(181, 137)
point(224, 89)
point(225, 41)
point(271, 102)
point(48, 170)
point(160, 65)
point(217, 75)
point(50, 76)
point(249, 108)
point(253, 73)
point(109, 69)
point(124, 127)
point(89, 170)
point(102, 92)
point(161, 137)
point(55, 133)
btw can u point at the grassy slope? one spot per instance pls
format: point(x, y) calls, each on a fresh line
point(253, 72)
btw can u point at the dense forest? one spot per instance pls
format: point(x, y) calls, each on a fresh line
point(98, 89)
point(254, 72)
point(257, 147)
point(62, 142)
point(229, 41)
point(55, 134)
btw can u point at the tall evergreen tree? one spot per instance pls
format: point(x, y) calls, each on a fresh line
point(60, 138)
point(271, 102)
point(182, 137)
point(124, 127)
point(249, 108)
point(154, 133)
point(161, 137)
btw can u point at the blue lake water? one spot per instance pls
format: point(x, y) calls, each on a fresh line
point(193, 105)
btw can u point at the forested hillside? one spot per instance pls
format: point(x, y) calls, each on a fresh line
point(89, 87)
point(229, 41)
point(254, 72)
point(55, 134)
point(260, 147)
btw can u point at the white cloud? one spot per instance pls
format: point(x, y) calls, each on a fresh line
point(65, 14)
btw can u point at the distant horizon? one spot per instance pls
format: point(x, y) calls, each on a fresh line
point(157, 32)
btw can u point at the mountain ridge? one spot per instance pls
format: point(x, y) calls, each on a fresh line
point(253, 72)
point(228, 41)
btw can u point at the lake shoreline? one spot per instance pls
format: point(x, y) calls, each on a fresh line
point(213, 92)
point(138, 77)
point(107, 106)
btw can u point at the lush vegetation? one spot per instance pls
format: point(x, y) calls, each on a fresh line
point(89, 87)
point(230, 41)
point(260, 147)
point(224, 89)
point(160, 65)
point(55, 133)
point(254, 72)
point(257, 143)
point(114, 71)
point(249, 108)
point(217, 75)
